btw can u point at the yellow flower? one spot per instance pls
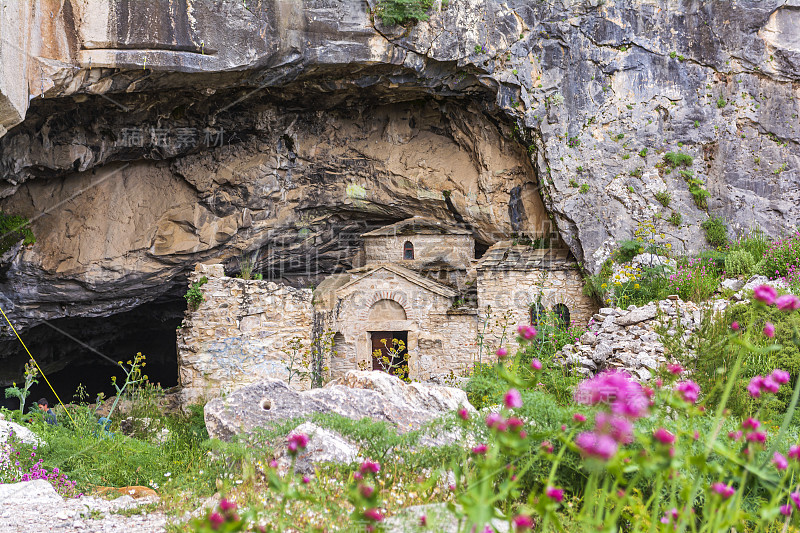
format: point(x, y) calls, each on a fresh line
point(603, 286)
point(636, 286)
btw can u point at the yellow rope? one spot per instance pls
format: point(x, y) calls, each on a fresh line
point(37, 365)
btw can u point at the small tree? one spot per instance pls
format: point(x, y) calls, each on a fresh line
point(395, 360)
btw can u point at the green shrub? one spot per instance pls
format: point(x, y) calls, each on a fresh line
point(584, 188)
point(716, 231)
point(696, 279)
point(675, 218)
point(628, 250)
point(194, 296)
point(14, 228)
point(664, 197)
point(715, 259)
point(739, 262)
point(403, 11)
point(676, 159)
point(699, 195)
point(781, 257)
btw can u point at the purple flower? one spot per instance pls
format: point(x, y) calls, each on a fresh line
point(216, 520)
point(795, 497)
point(619, 428)
point(463, 414)
point(689, 390)
point(513, 399)
point(297, 441)
point(735, 326)
point(788, 302)
point(751, 423)
point(726, 491)
point(494, 419)
point(480, 449)
point(366, 491)
point(765, 293)
point(770, 385)
point(674, 369)
point(786, 509)
point(522, 522)
point(794, 452)
point(536, 364)
point(617, 389)
point(554, 494)
point(596, 445)
point(769, 330)
point(780, 461)
point(754, 387)
point(577, 417)
point(526, 332)
point(757, 436)
point(370, 466)
point(501, 352)
point(663, 436)
point(227, 505)
point(373, 514)
point(780, 376)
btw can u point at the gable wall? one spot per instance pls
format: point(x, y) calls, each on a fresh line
point(460, 249)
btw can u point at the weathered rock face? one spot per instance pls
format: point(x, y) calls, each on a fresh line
point(374, 395)
point(189, 130)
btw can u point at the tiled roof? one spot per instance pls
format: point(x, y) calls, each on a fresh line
point(417, 226)
point(506, 256)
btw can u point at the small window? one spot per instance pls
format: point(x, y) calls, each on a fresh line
point(562, 315)
point(408, 250)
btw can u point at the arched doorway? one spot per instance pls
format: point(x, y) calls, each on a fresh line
point(562, 315)
point(389, 348)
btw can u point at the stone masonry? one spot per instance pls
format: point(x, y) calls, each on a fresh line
point(240, 334)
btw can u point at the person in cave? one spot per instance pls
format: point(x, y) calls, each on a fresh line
point(49, 415)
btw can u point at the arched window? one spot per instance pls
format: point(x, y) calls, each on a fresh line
point(562, 315)
point(408, 250)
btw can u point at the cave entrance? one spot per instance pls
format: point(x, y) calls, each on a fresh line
point(84, 351)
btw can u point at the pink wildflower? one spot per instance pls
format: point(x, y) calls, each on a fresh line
point(577, 417)
point(536, 364)
point(501, 353)
point(297, 441)
point(675, 369)
point(663, 436)
point(726, 491)
point(370, 466)
point(754, 387)
point(547, 446)
point(769, 330)
point(620, 429)
point(554, 494)
point(523, 522)
point(669, 516)
point(795, 497)
point(617, 389)
point(689, 390)
point(366, 491)
point(216, 520)
point(788, 302)
point(786, 509)
point(463, 414)
point(596, 445)
point(794, 452)
point(373, 514)
point(480, 449)
point(526, 332)
point(735, 435)
point(515, 423)
point(423, 521)
point(780, 461)
point(512, 399)
point(735, 326)
point(493, 419)
point(227, 505)
point(770, 385)
point(765, 293)
point(306, 480)
point(751, 423)
point(780, 376)
point(757, 436)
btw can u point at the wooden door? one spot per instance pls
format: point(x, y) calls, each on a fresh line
point(378, 345)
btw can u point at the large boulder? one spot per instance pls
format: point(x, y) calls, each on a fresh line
point(375, 395)
point(20, 432)
point(38, 493)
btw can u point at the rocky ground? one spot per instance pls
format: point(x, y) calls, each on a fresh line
point(34, 506)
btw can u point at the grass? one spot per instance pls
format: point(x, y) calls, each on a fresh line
point(664, 197)
point(716, 231)
point(14, 228)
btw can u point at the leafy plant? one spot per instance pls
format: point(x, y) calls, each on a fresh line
point(31, 373)
point(194, 296)
point(675, 159)
point(584, 188)
point(664, 197)
point(716, 231)
point(739, 262)
point(675, 218)
point(403, 11)
point(14, 228)
point(643, 153)
point(782, 255)
point(573, 183)
point(637, 172)
point(721, 102)
point(133, 377)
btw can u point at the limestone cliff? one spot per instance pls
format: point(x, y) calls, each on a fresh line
point(144, 137)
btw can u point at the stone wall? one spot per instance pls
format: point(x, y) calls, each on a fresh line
point(456, 250)
point(505, 297)
point(240, 334)
point(441, 339)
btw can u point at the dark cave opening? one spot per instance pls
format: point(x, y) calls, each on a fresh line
point(84, 351)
